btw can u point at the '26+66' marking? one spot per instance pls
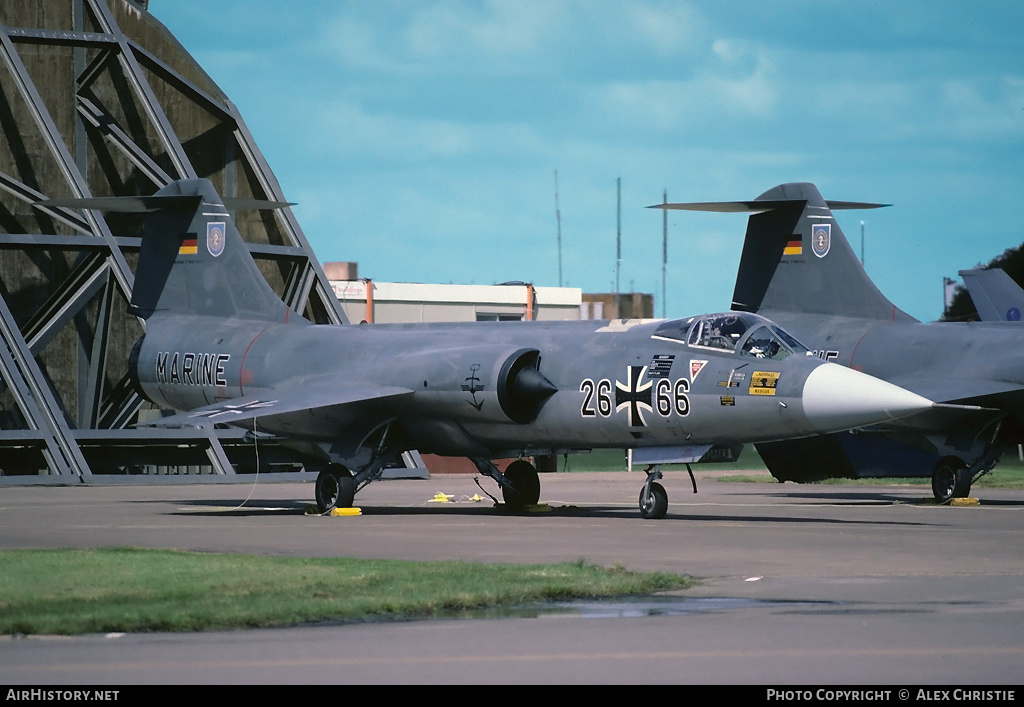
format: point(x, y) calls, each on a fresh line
point(668, 397)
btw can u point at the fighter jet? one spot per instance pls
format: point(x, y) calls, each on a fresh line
point(798, 269)
point(996, 297)
point(222, 347)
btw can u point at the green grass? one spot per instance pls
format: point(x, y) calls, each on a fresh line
point(1008, 474)
point(615, 460)
point(1003, 477)
point(132, 590)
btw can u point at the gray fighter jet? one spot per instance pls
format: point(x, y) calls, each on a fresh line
point(995, 295)
point(222, 346)
point(798, 269)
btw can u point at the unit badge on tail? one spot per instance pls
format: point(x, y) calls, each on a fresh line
point(821, 239)
point(215, 237)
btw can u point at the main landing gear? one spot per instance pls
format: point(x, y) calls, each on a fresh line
point(335, 488)
point(337, 484)
point(520, 484)
point(951, 479)
point(523, 487)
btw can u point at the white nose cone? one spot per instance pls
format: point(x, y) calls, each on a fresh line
point(839, 398)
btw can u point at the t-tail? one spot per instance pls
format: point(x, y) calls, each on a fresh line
point(796, 258)
point(193, 260)
point(996, 297)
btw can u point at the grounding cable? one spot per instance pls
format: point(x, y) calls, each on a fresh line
point(256, 450)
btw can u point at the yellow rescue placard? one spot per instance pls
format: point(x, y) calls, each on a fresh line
point(763, 382)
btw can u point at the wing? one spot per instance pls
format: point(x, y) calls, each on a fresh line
point(303, 394)
point(969, 402)
point(970, 391)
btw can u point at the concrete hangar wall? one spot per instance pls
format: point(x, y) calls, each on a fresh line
point(97, 98)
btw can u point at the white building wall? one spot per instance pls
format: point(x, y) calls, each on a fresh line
point(399, 302)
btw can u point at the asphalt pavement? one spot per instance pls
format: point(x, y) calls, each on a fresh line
point(820, 585)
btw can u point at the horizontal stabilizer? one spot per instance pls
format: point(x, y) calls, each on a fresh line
point(759, 206)
point(796, 258)
point(305, 394)
point(158, 202)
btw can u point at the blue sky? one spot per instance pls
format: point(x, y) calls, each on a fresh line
point(421, 138)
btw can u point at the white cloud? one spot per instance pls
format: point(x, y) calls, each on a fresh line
point(492, 29)
point(972, 109)
point(346, 130)
point(670, 28)
point(706, 100)
point(508, 38)
point(424, 38)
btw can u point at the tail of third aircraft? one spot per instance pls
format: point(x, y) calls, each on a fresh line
point(796, 258)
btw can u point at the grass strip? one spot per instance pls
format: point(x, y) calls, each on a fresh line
point(1010, 477)
point(1008, 473)
point(133, 590)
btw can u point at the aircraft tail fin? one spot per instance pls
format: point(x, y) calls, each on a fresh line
point(193, 260)
point(996, 297)
point(796, 258)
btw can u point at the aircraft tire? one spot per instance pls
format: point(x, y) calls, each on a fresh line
point(525, 489)
point(335, 488)
point(962, 488)
point(950, 479)
point(654, 503)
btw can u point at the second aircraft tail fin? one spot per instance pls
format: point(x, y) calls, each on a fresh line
point(796, 258)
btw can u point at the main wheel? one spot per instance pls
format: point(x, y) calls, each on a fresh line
point(525, 489)
point(653, 501)
point(962, 488)
point(950, 479)
point(335, 488)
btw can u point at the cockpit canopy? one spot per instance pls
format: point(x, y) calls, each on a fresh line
point(740, 332)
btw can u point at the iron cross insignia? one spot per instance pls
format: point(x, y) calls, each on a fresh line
point(634, 396)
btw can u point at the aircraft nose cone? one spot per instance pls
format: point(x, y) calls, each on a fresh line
point(838, 398)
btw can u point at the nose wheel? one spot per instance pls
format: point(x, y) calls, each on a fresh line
point(653, 501)
point(653, 497)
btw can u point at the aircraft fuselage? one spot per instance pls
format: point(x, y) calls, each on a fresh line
point(617, 387)
point(922, 356)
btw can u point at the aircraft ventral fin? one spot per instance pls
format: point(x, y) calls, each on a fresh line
point(682, 454)
point(310, 394)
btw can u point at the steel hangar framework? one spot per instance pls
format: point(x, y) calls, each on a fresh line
point(97, 98)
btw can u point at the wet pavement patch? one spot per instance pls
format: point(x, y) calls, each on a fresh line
point(637, 607)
